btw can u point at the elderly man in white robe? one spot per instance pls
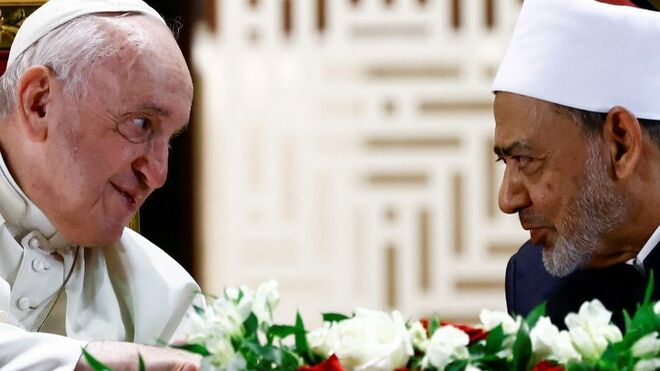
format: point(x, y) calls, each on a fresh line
point(94, 91)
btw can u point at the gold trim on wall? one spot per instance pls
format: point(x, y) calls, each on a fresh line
point(21, 3)
point(12, 15)
point(134, 224)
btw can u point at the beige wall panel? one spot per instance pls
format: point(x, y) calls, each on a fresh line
point(353, 162)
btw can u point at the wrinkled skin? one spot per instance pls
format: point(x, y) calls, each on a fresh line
point(567, 187)
point(66, 152)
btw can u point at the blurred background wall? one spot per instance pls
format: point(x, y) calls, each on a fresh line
point(344, 148)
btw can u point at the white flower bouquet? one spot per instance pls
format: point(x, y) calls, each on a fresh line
point(237, 332)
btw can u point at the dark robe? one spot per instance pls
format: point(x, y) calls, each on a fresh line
point(618, 287)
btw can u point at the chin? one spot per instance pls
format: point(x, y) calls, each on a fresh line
point(96, 237)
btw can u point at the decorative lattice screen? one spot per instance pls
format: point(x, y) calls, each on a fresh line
point(345, 149)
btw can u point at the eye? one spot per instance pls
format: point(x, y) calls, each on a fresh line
point(139, 122)
point(523, 161)
point(135, 129)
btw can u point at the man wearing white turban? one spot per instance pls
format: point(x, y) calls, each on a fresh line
point(94, 91)
point(577, 110)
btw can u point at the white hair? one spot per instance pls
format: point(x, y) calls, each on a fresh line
point(70, 51)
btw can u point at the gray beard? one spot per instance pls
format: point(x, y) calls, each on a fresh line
point(597, 209)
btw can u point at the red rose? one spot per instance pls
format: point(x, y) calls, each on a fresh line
point(547, 366)
point(425, 323)
point(330, 364)
point(474, 333)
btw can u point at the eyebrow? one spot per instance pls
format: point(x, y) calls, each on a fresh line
point(511, 148)
point(157, 109)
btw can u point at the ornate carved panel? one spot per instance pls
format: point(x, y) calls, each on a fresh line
point(345, 149)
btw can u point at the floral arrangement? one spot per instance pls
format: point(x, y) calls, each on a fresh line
point(237, 332)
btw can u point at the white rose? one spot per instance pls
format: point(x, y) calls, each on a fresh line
point(222, 352)
point(371, 340)
point(491, 319)
point(472, 368)
point(656, 308)
point(652, 364)
point(647, 346)
point(240, 298)
point(446, 345)
point(265, 300)
point(419, 336)
point(226, 317)
point(591, 330)
point(322, 340)
point(550, 343)
point(510, 326)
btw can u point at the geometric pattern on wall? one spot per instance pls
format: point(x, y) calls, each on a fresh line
point(344, 148)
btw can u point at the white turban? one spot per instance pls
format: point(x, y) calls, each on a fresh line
point(57, 12)
point(585, 54)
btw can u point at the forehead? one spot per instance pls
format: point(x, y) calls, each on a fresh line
point(529, 120)
point(148, 68)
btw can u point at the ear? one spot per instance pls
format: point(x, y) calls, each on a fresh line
point(33, 100)
point(623, 135)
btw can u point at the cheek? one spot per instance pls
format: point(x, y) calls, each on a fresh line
point(546, 197)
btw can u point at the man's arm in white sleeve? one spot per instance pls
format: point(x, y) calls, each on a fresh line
point(23, 350)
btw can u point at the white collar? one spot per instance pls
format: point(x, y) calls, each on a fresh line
point(650, 244)
point(22, 216)
point(638, 261)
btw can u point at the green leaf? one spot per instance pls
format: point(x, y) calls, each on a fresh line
point(141, 365)
point(494, 340)
point(578, 366)
point(281, 331)
point(648, 295)
point(95, 364)
point(535, 314)
point(334, 317)
point(522, 349)
point(199, 310)
point(302, 347)
point(193, 348)
point(290, 361)
point(434, 324)
point(459, 365)
point(609, 359)
point(251, 325)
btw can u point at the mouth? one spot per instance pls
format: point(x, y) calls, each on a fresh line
point(130, 201)
point(539, 235)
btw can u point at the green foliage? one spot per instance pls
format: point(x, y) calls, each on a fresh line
point(141, 365)
point(302, 347)
point(434, 324)
point(494, 340)
point(535, 315)
point(264, 347)
point(334, 317)
point(459, 365)
point(194, 348)
point(522, 349)
point(95, 364)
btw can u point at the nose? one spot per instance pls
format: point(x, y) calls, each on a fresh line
point(513, 194)
point(152, 165)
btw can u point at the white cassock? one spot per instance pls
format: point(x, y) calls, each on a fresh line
point(130, 291)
